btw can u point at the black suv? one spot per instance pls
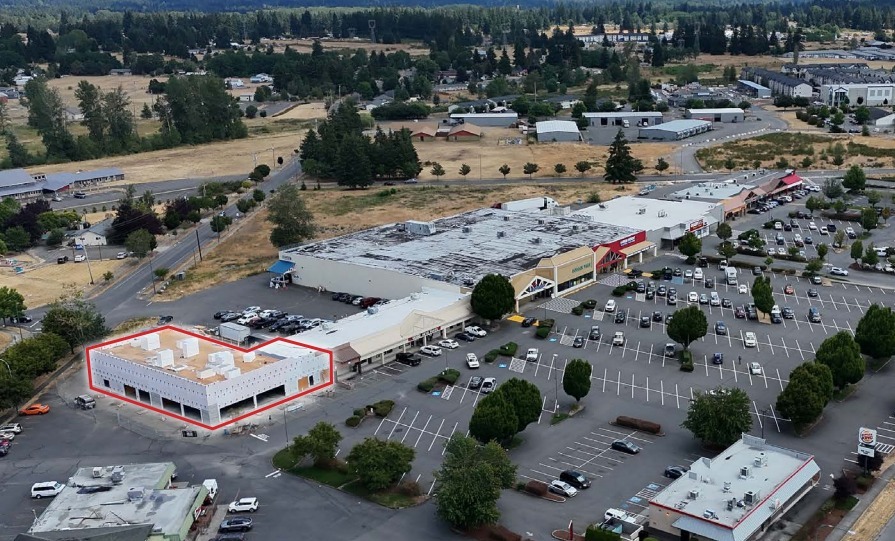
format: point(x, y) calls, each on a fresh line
point(575, 479)
point(621, 316)
point(410, 359)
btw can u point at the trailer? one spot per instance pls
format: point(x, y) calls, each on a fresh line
point(234, 332)
point(532, 203)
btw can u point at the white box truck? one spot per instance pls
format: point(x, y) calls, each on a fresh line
point(532, 203)
point(731, 274)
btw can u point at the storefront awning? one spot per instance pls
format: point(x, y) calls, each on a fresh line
point(281, 267)
point(635, 249)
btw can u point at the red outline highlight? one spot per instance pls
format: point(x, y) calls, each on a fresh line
point(220, 343)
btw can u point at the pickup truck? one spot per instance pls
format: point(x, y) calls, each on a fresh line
point(532, 355)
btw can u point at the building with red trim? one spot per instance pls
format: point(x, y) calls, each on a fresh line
point(204, 381)
point(737, 495)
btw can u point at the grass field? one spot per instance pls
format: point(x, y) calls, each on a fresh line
point(43, 283)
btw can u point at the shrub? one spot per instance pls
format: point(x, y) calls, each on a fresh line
point(427, 385)
point(685, 356)
point(549, 323)
point(845, 486)
point(542, 332)
point(360, 412)
point(491, 356)
point(353, 421)
point(383, 407)
point(619, 291)
point(639, 424)
point(509, 349)
point(409, 488)
point(578, 310)
point(864, 482)
point(589, 304)
point(687, 366)
point(449, 376)
point(538, 488)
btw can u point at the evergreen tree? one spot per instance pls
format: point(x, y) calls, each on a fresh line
point(620, 166)
point(353, 164)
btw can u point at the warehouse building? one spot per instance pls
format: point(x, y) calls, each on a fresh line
point(753, 89)
point(203, 381)
point(779, 83)
point(726, 114)
point(737, 495)
point(663, 221)
point(542, 253)
point(491, 120)
point(555, 131)
point(619, 118)
point(675, 130)
point(23, 186)
point(857, 94)
point(133, 502)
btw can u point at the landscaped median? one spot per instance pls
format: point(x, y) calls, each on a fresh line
point(372, 470)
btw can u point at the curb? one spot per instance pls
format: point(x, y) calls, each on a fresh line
point(843, 528)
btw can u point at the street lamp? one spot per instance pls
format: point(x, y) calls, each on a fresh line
point(763, 412)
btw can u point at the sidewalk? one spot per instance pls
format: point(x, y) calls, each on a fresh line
point(844, 529)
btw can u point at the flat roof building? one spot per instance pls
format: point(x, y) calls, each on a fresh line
point(203, 381)
point(665, 221)
point(675, 130)
point(554, 131)
point(618, 118)
point(858, 94)
point(21, 185)
point(737, 495)
point(112, 502)
point(727, 114)
point(494, 120)
point(754, 89)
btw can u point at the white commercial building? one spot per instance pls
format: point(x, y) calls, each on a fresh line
point(493, 120)
point(199, 379)
point(726, 114)
point(619, 118)
point(675, 130)
point(665, 221)
point(555, 131)
point(736, 496)
point(857, 94)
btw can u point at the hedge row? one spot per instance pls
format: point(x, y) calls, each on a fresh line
point(544, 327)
point(639, 424)
point(509, 349)
point(448, 376)
point(491, 356)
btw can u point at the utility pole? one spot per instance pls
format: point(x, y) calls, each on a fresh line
point(152, 276)
point(198, 244)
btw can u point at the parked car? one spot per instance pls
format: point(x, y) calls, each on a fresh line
point(574, 478)
point(15, 428)
point(692, 297)
point(529, 321)
point(812, 292)
point(720, 328)
point(670, 350)
point(472, 361)
point(625, 447)
point(476, 331)
point(739, 312)
point(447, 343)
point(674, 472)
point(726, 303)
point(718, 358)
point(462, 336)
point(35, 409)
point(578, 342)
point(787, 312)
point(703, 298)
point(431, 351)
point(658, 317)
point(488, 385)
point(755, 369)
point(671, 300)
point(121, 255)
point(742, 289)
point(475, 382)
point(837, 271)
point(789, 290)
point(594, 332)
point(750, 341)
point(410, 359)
point(562, 488)
point(164, 320)
point(242, 505)
point(46, 489)
point(532, 355)
point(645, 322)
point(661, 291)
point(236, 524)
point(610, 306)
point(618, 339)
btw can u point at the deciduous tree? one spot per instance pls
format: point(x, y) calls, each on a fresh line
point(809, 389)
point(721, 418)
point(822, 250)
point(559, 169)
point(842, 355)
point(379, 464)
point(869, 218)
point(292, 220)
point(320, 443)
point(76, 320)
point(857, 250)
point(724, 231)
point(464, 170)
point(690, 245)
point(688, 325)
point(875, 333)
point(493, 297)
point(583, 167)
point(870, 256)
point(437, 170)
point(662, 165)
point(762, 294)
point(140, 243)
point(493, 420)
point(12, 303)
point(576, 379)
point(504, 170)
point(530, 168)
point(854, 180)
point(525, 398)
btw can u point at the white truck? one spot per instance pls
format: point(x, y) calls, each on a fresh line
point(211, 485)
point(731, 274)
point(532, 203)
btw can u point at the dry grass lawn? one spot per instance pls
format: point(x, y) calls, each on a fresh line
point(305, 111)
point(5, 339)
point(43, 283)
point(363, 42)
point(339, 212)
point(879, 513)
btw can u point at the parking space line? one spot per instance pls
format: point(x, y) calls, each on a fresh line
point(770, 345)
point(677, 396)
point(662, 391)
point(849, 326)
point(396, 423)
point(637, 353)
point(435, 436)
point(449, 437)
point(422, 432)
point(605, 377)
point(776, 422)
point(705, 361)
point(406, 432)
point(632, 385)
point(779, 379)
point(618, 392)
point(785, 348)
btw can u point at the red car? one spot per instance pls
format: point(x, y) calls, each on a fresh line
point(35, 409)
point(789, 290)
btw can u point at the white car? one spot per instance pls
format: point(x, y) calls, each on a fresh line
point(15, 428)
point(837, 271)
point(475, 331)
point(80, 257)
point(697, 274)
point(246, 318)
point(610, 306)
point(488, 385)
point(618, 339)
point(755, 369)
point(750, 341)
point(742, 289)
point(449, 344)
point(7, 436)
point(121, 255)
point(252, 309)
point(532, 355)
point(563, 489)
point(824, 231)
point(812, 226)
point(692, 297)
point(47, 489)
point(688, 274)
point(472, 361)
point(772, 251)
point(850, 231)
point(242, 505)
point(431, 351)
point(797, 238)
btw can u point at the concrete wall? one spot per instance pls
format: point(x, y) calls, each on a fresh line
point(358, 280)
point(120, 372)
point(558, 137)
point(285, 372)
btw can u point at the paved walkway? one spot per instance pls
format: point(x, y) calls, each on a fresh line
point(843, 529)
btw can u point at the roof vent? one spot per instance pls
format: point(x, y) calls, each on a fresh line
point(641, 210)
point(726, 486)
point(708, 513)
point(506, 218)
point(501, 234)
point(693, 494)
point(662, 214)
point(135, 494)
point(731, 503)
point(761, 460)
point(536, 240)
point(745, 472)
point(467, 229)
point(574, 228)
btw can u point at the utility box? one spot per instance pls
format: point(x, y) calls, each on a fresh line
point(234, 332)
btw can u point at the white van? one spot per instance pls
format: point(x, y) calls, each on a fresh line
point(46, 489)
point(626, 123)
point(731, 274)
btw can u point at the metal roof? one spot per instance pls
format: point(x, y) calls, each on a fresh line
point(646, 213)
point(565, 126)
point(678, 126)
point(15, 177)
point(625, 114)
point(721, 111)
point(461, 249)
point(473, 116)
point(752, 85)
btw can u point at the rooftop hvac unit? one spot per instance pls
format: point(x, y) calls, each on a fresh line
point(708, 513)
point(536, 240)
point(117, 475)
point(761, 460)
point(540, 222)
point(641, 210)
point(501, 234)
point(467, 229)
point(372, 310)
point(97, 472)
point(693, 494)
point(752, 497)
point(663, 214)
point(574, 228)
point(726, 486)
point(506, 218)
point(745, 472)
